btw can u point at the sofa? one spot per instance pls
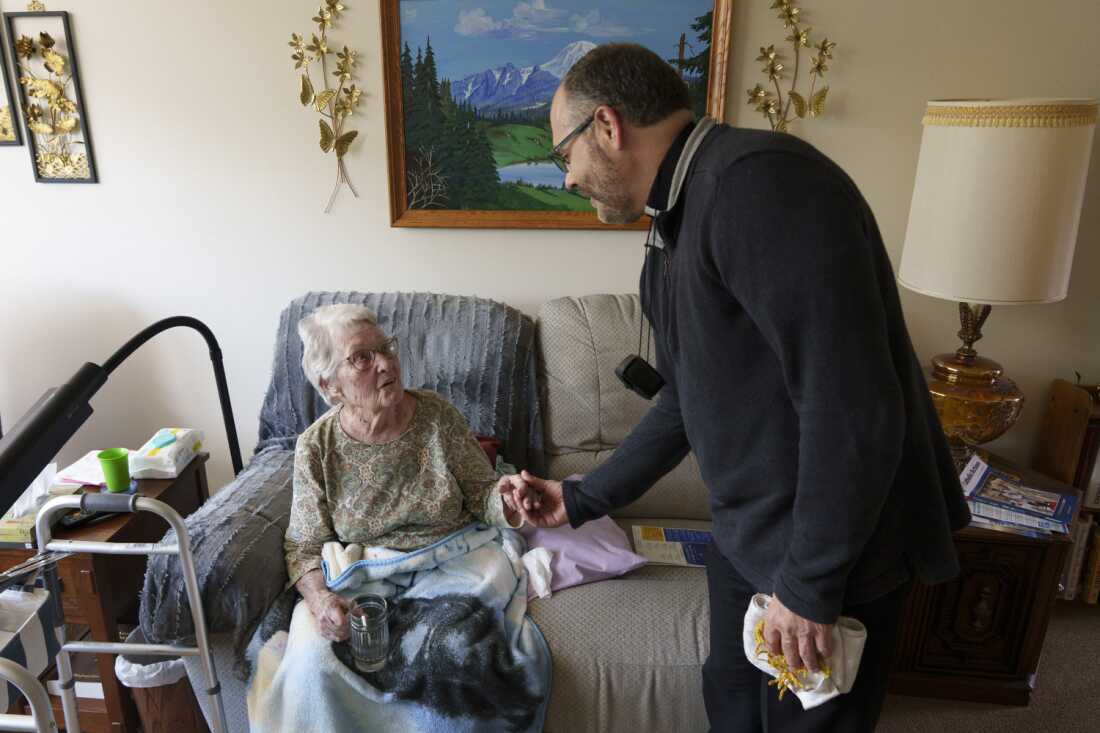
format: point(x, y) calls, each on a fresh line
point(627, 653)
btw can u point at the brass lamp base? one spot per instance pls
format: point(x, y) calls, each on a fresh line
point(975, 402)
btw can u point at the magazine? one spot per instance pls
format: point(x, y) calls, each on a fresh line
point(981, 522)
point(1003, 496)
point(671, 545)
point(1019, 519)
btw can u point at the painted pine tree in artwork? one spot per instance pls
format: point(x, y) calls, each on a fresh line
point(444, 142)
point(467, 162)
point(429, 85)
point(416, 110)
point(406, 76)
point(696, 68)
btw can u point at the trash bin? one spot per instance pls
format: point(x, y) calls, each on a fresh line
point(163, 695)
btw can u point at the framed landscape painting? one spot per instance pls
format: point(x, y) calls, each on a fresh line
point(468, 85)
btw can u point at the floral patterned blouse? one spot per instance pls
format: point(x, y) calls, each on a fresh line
point(405, 494)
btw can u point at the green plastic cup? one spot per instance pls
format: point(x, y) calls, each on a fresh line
point(116, 468)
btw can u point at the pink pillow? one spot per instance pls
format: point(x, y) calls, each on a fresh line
point(598, 550)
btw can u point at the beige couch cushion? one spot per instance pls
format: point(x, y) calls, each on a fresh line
point(628, 653)
point(587, 411)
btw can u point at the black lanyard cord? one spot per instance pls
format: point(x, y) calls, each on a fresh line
point(650, 245)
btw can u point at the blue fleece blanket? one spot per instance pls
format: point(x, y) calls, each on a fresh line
point(464, 655)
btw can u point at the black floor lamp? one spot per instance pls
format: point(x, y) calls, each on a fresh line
point(37, 437)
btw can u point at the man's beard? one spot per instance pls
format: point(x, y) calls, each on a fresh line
point(613, 205)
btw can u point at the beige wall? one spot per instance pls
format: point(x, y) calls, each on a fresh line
point(212, 189)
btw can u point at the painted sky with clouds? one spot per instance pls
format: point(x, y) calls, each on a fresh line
point(473, 35)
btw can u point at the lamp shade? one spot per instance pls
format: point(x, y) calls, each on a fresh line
point(997, 201)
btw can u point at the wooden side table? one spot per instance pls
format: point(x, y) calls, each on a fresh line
point(98, 590)
point(979, 637)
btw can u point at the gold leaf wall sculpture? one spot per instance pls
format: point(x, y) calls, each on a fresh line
point(774, 107)
point(336, 102)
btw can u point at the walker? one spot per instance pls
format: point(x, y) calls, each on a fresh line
point(41, 719)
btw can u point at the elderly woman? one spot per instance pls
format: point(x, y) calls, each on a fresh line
point(385, 467)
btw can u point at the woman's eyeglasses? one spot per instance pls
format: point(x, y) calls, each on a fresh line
point(363, 359)
point(557, 155)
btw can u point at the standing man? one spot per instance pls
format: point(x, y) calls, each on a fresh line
point(789, 372)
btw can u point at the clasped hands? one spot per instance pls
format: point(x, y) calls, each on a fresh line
point(538, 501)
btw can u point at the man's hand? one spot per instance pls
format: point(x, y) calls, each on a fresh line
point(547, 507)
point(799, 640)
point(331, 612)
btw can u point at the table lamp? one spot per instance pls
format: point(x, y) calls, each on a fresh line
point(997, 201)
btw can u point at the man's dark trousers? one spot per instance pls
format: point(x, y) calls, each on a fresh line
point(737, 696)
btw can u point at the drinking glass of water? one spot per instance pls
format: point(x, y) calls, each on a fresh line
point(369, 632)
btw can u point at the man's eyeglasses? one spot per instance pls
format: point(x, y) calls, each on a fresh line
point(558, 153)
point(363, 359)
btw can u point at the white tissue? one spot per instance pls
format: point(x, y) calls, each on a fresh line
point(848, 638)
point(537, 563)
point(35, 494)
point(85, 471)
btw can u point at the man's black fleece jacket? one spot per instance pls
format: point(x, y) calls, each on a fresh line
point(791, 375)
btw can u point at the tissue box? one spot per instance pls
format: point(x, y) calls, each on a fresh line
point(166, 453)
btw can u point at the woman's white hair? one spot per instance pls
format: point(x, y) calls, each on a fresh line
point(322, 333)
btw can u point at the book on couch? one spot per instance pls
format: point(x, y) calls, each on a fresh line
point(671, 545)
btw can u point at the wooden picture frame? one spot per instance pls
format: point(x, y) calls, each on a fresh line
point(52, 159)
point(10, 133)
point(401, 215)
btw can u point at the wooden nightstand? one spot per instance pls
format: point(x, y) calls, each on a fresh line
point(979, 637)
point(98, 590)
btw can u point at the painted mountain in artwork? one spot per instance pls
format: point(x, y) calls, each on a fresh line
point(509, 88)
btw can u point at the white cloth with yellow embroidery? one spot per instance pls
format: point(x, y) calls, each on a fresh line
point(848, 637)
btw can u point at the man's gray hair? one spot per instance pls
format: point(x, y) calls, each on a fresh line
point(322, 333)
point(631, 79)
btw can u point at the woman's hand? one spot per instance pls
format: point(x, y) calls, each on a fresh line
point(330, 610)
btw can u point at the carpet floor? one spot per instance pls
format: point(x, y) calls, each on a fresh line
point(1066, 698)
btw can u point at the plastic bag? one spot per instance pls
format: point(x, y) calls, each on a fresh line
point(135, 670)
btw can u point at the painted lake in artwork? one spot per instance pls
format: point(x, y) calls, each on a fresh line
point(537, 174)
